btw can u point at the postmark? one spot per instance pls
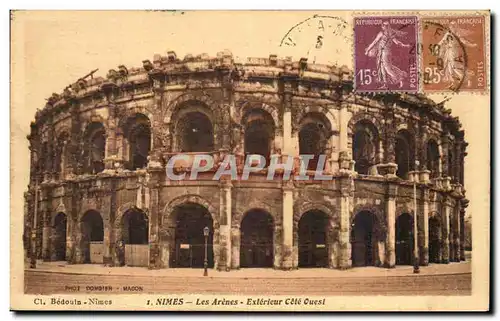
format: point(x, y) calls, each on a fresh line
point(453, 54)
point(385, 54)
point(320, 38)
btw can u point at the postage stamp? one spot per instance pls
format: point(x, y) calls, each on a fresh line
point(385, 53)
point(453, 50)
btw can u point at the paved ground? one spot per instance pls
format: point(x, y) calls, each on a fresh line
point(435, 279)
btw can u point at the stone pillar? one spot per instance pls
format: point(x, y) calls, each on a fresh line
point(225, 226)
point(108, 222)
point(70, 230)
point(235, 247)
point(287, 246)
point(343, 121)
point(288, 148)
point(154, 217)
point(424, 228)
point(346, 206)
point(444, 154)
point(46, 239)
point(111, 146)
point(445, 258)
point(390, 214)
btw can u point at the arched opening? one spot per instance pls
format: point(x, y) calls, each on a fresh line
point(313, 137)
point(259, 133)
point(365, 143)
point(135, 234)
point(189, 246)
point(95, 148)
point(59, 237)
point(404, 153)
point(404, 239)
point(92, 237)
point(434, 240)
point(364, 238)
point(138, 132)
point(257, 230)
point(194, 132)
point(313, 247)
point(433, 158)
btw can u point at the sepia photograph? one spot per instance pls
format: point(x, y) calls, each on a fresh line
point(250, 160)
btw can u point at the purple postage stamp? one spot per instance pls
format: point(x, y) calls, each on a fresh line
point(385, 50)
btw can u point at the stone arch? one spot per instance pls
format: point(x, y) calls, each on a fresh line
point(405, 151)
point(202, 116)
point(136, 137)
point(246, 107)
point(376, 210)
point(94, 146)
point(433, 161)
point(186, 199)
point(239, 214)
point(365, 142)
point(186, 98)
point(404, 208)
point(131, 111)
point(124, 208)
point(364, 116)
point(319, 109)
point(301, 208)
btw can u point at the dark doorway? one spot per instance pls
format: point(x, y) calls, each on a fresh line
point(138, 130)
point(189, 247)
point(60, 237)
point(311, 142)
point(259, 133)
point(404, 239)
point(363, 239)
point(92, 232)
point(434, 240)
point(313, 249)
point(257, 229)
point(135, 227)
point(364, 146)
point(195, 132)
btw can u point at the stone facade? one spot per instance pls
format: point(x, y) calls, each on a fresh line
point(101, 147)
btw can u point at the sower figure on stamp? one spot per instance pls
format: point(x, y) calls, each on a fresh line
point(450, 52)
point(387, 72)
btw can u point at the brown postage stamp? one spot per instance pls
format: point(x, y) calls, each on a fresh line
point(243, 171)
point(454, 53)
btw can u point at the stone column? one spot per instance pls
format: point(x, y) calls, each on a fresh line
point(346, 206)
point(154, 217)
point(444, 155)
point(225, 226)
point(424, 228)
point(235, 247)
point(287, 245)
point(46, 239)
point(108, 222)
point(390, 214)
point(110, 156)
point(343, 131)
point(445, 258)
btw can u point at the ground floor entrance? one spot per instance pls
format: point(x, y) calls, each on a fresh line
point(257, 240)
point(189, 245)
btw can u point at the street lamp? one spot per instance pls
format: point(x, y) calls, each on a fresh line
point(416, 268)
point(205, 262)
